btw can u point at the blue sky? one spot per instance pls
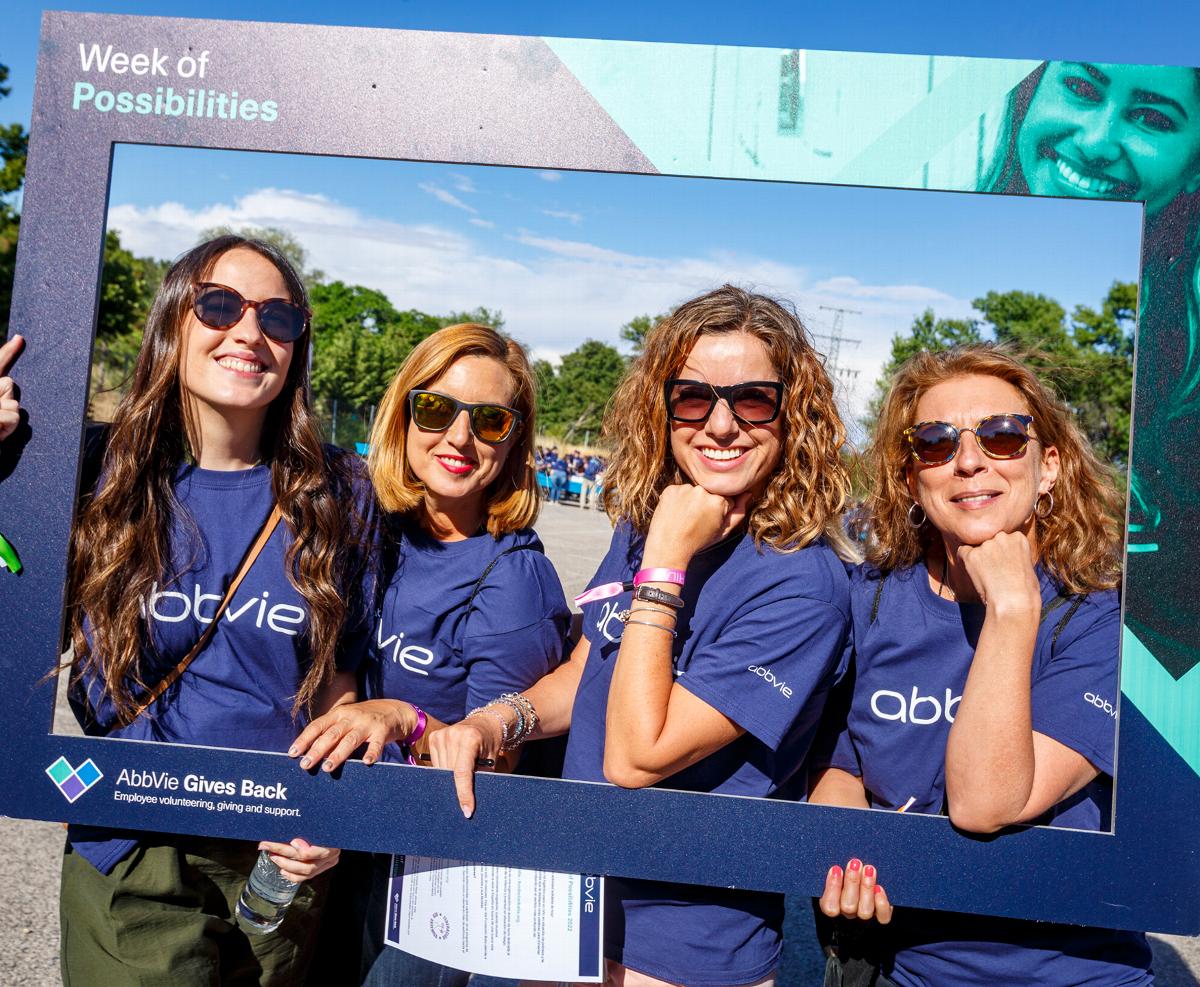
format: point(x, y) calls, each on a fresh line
point(546, 248)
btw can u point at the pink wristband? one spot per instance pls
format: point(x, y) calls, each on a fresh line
point(417, 732)
point(676, 576)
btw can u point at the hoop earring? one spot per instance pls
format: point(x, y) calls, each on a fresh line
point(1037, 506)
point(914, 522)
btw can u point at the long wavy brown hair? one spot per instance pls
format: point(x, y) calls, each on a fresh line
point(512, 498)
point(1079, 542)
point(121, 542)
point(806, 494)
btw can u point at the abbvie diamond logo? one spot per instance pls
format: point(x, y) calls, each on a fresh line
point(73, 782)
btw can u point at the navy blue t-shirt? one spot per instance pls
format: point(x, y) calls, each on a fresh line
point(239, 691)
point(910, 667)
point(759, 639)
point(427, 649)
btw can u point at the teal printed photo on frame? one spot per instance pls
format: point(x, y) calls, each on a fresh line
point(1017, 128)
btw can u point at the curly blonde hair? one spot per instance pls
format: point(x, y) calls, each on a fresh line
point(806, 494)
point(512, 498)
point(1079, 542)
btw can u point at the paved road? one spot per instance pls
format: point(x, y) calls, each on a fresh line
point(575, 541)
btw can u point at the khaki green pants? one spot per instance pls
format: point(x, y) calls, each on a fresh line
point(165, 916)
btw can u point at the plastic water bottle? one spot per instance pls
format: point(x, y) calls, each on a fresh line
point(265, 898)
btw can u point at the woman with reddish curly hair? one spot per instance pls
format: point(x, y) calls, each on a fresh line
point(726, 488)
point(990, 587)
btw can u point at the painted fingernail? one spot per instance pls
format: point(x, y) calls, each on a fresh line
point(466, 811)
point(869, 872)
point(879, 889)
point(306, 762)
point(835, 871)
point(854, 864)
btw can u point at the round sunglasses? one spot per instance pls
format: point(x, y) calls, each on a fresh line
point(220, 307)
point(434, 412)
point(754, 402)
point(999, 436)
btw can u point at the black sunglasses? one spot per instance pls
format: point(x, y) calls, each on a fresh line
point(434, 412)
point(220, 307)
point(754, 402)
point(999, 436)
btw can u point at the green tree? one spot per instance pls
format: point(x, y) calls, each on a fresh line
point(482, 316)
point(584, 382)
point(282, 240)
point(124, 301)
point(634, 331)
point(14, 144)
point(1087, 358)
point(359, 339)
point(926, 333)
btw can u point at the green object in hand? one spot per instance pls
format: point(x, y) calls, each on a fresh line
point(8, 556)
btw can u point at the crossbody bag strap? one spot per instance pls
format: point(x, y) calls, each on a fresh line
point(528, 547)
point(252, 553)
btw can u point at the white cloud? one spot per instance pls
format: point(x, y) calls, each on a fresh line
point(463, 183)
point(573, 218)
point(449, 198)
point(486, 224)
point(554, 292)
point(550, 176)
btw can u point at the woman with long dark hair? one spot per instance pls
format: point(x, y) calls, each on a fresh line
point(726, 487)
point(214, 448)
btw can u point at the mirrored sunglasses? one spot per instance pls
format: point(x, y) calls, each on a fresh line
point(434, 412)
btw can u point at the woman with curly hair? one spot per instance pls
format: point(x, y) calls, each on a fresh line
point(213, 469)
point(986, 628)
point(726, 489)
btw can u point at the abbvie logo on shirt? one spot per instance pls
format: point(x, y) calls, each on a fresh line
point(170, 607)
point(768, 676)
point(914, 708)
point(411, 657)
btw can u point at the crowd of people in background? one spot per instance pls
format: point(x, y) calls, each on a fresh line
point(556, 470)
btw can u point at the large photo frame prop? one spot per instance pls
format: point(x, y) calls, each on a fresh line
point(779, 114)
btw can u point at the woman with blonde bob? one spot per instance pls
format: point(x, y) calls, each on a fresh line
point(990, 587)
point(726, 488)
point(471, 609)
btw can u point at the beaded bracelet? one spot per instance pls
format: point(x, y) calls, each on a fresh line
point(498, 715)
point(520, 701)
point(526, 717)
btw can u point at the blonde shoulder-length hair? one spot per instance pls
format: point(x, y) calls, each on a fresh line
point(1078, 542)
point(512, 498)
point(806, 494)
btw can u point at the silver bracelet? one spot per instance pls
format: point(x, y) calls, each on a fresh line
point(518, 700)
point(498, 715)
point(661, 613)
point(649, 623)
point(526, 717)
